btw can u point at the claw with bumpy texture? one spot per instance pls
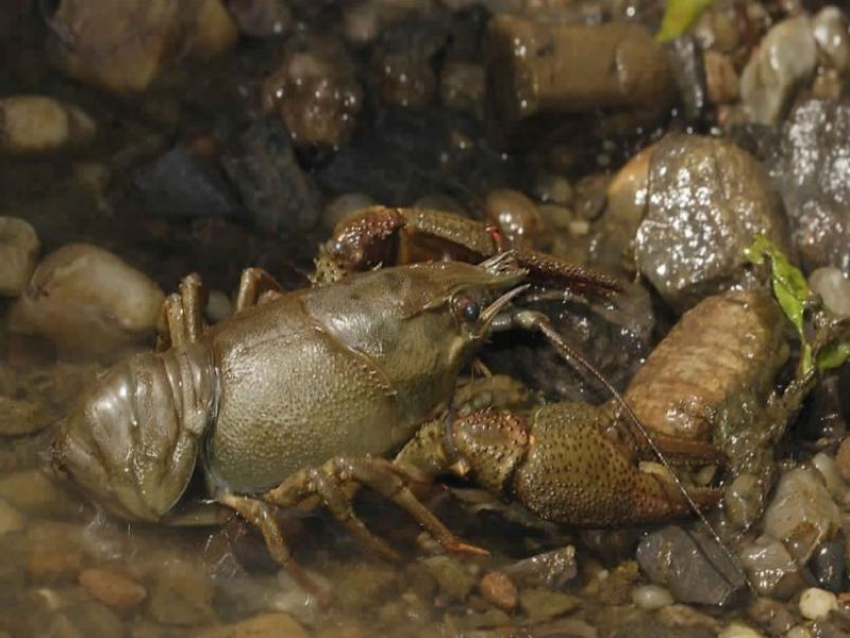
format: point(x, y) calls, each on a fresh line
point(561, 465)
point(379, 235)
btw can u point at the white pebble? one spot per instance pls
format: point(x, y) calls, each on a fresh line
point(19, 247)
point(826, 466)
point(218, 307)
point(35, 124)
point(830, 30)
point(816, 603)
point(651, 597)
point(739, 630)
point(799, 632)
point(833, 287)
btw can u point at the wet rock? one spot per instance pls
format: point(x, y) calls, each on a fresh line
point(112, 589)
point(681, 391)
point(407, 153)
point(721, 78)
point(708, 200)
point(264, 626)
point(261, 18)
point(688, 70)
point(514, 213)
point(402, 64)
point(842, 459)
point(825, 466)
point(691, 565)
point(811, 176)
point(317, 95)
point(499, 589)
point(743, 499)
point(181, 183)
point(11, 520)
point(785, 59)
point(361, 584)
point(738, 630)
point(125, 46)
point(19, 246)
point(32, 124)
point(553, 569)
point(833, 286)
point(831, 34)
point(817, 603)
point(54, 551)
point(32, 492)
point(542, 604)
point(543, 71)
point(260, 161)
point(181, 595)
point(454, 580)
point(828, 565)
point(772, 570)
point(87, 619)
point(824, 415)
point(463, 86)
point(802, 514)
point(87, 302)
point(651, 597)
point(773, 616)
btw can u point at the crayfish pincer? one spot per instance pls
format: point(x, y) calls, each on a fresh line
point(301, 396)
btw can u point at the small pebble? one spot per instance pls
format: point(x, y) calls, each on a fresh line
point(720, 77)
point(32, 124)
point(553, 189)
point(833, 287)
point(515, 214)
point(842, 459)
point(738, 630)
point(11, 520)
point(499, 589)
point(830, 30)
point(816, 603)
point(19, 247)
point(799, 632)
point(826, 466)
point(651, 597)
point(112, 589)
point(219, 307)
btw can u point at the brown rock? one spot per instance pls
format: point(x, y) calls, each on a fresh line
point(264, 626)
point(182, 595)
point(54, 551)
point(112, 589)
point(720, 78)
point(499, 589)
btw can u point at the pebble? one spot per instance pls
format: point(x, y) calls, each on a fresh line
point(816, 603)
point(825, 465)
point(263, 626)
point(55, 551)
point(721, 78)
point(542, 604)
point(219, 307)
point(553, 189)
point(553, 569)
point(842, 459)
point(771, 569)
point(454, 580)
point(739, 630)
point(828, 566)
point(19, 417)
point(462, 87)
point(11, 520)
point(651, 597)
point(182, 594)
point(771, 615)
point(499, 589)
point(799, 632)
point(514, 213)
point(112, 589)
point(802, 513)
point(87, 302)
point(342, 206)
point(785, 58)
point(829, 28)
point(833, 286)
point(743, 500)
point(19, 246)
point(32, 124)
point(32, 492)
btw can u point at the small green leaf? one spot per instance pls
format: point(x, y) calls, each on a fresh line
point(833, 356)
point(679, 16)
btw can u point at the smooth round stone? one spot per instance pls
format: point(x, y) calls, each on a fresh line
point(830, 30)
point(515, 214)
point(799, 632)
point(826, 466)
point(219, 307)
point(553, 189)
point(651, 597)
point(35, 124)
point(816, 603)
point(738, 630)
point(833, 287)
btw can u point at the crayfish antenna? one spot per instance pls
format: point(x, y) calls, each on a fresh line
point(537, 321)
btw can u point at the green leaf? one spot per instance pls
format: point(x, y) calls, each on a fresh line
point(833, 356)
point(679, 16)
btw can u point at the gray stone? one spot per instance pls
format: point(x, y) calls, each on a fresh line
point(772, 570)
point(691, 565)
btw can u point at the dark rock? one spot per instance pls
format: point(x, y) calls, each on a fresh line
point(552, 569)
point(259, 159)
point(408, 153)
point(812, 178)
point(828, 566)
point(182, 184)
point(689, 73)
point(691, 565)
point(708, 200)
point(262, 18)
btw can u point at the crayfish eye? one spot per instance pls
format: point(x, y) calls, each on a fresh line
point(467, 309)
